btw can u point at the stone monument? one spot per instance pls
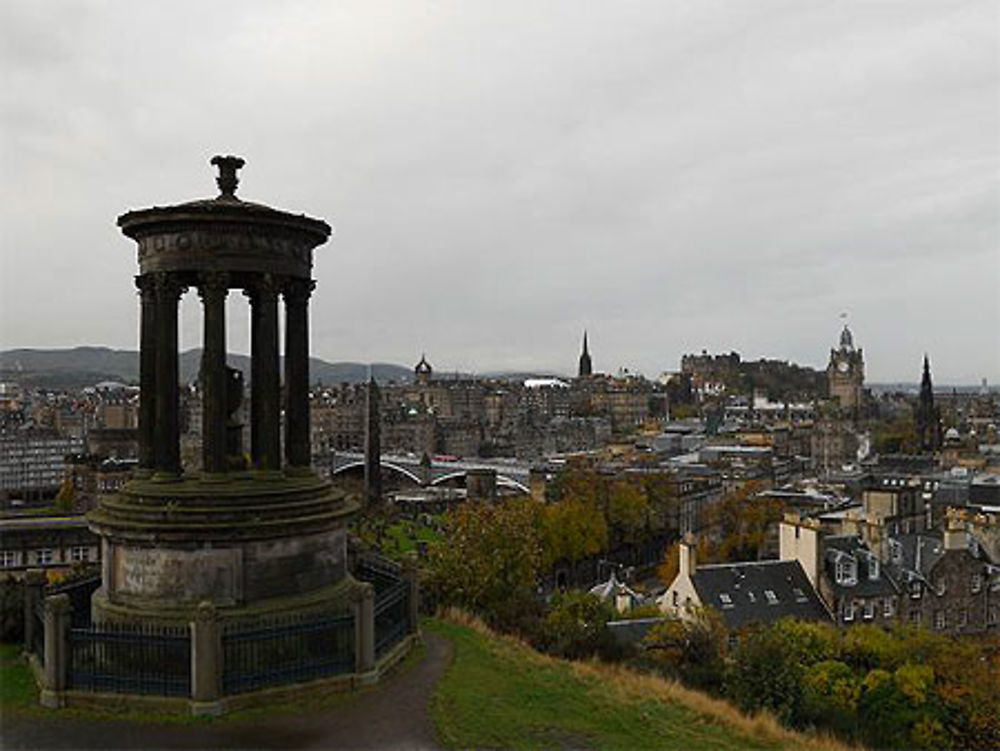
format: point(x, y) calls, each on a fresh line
point(268, 538)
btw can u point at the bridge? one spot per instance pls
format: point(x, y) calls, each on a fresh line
point(511, 473)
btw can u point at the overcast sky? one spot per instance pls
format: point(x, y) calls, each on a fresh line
point(670, 175)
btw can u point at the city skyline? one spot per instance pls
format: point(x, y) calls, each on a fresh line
point(671, 178)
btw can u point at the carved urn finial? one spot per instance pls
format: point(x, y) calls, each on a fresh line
point(227, 180)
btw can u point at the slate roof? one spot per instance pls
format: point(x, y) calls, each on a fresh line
point(739, 591)
point(613, 588)
point(633, 631)
point(886, 583)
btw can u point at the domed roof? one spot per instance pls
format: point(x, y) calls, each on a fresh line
point(224, 234)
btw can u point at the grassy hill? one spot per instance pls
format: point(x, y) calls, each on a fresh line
point(85, 366)
point(499, 693)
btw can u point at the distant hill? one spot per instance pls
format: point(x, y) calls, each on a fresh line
point(84, 366)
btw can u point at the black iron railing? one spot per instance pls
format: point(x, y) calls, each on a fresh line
point(126, 659)
point(392, 612)
point(381, 572)
point(37, 645)
point(282, 651)
point(79, 593)
point(392, 600)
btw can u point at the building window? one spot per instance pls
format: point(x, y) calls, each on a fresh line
point(963, 617)
point(800, 595)
point(940, 620)
point(872, 567)
point(896, 551)
point(869, 609)
point(939, 587)
point(915, 617)
point(8, 558)
point(992, 617)
point(772, 598)
point(43, 556)
point(977, 582)
point(846, 570)
point(887, 608)
point(726, 600)
point(848, 611)
point(915, 590)
point(676, 598)
point(79, 554)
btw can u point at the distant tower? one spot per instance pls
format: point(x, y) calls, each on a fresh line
point(586, 367)
point(928, 416)
point(845, 375)
point(423, 371)
point(373, 445)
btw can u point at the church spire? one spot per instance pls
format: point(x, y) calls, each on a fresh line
point(928, 416)
point(586, 367)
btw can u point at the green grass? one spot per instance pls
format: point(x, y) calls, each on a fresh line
point(499, 693)
point(17, 684)
point(19, 693)
point(400, 542)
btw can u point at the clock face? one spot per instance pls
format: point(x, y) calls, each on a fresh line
point(842, 366)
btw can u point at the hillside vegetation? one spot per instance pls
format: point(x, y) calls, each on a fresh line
point(500, 693)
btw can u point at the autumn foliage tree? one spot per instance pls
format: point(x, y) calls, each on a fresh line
point(489, 562)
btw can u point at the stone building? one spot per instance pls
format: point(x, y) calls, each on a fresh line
point(31, 462)
point(845, 373)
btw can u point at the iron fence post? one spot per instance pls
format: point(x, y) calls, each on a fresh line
point(413, 594)
point(364, 628)
point(206, 661)
point(58, 611)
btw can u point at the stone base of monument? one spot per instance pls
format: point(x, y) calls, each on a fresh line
point(251, 547)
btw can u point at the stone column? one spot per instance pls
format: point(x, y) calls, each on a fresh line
point(213, 288)
point(265, 385)
point(147, 372)
point(364, 629)
point(167, 449)
point(57, 618)
point(34, 589)
point(298, 452)
point(206, 661)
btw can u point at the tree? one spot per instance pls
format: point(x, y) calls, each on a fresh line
point(628, 510)
point(766, 675)
point(576, 626)
point(670, 566)
point(489, 562)
point(742, 520)
point(571, 530)
point(692, 650)
point(66, 495)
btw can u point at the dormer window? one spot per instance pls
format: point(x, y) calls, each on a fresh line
point(896, 551)
point(939, 586)
point(915, 592)
point(726, 600)
point(977, 582)
point(772, 598)
point(800, 595)
point(872, 567)
point(847, 571)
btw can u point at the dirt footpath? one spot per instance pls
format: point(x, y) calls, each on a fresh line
point(393, 716)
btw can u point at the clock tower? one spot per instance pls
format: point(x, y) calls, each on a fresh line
point(845, 374)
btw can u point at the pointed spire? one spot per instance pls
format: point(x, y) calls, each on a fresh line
point(586, 366)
